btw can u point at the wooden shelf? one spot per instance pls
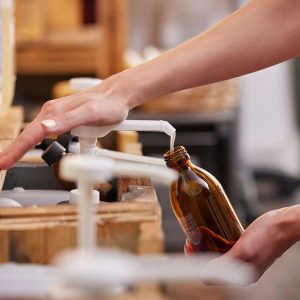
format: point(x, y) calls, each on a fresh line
point(72, 52)
point(67, 47)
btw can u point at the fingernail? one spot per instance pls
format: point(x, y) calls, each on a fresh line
point(49, 123)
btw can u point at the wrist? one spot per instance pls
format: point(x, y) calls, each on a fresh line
point(288, 224)
point(125, 87)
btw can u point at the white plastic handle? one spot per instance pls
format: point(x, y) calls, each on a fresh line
point(127, 125)
point(129, 157)
point(93, 169)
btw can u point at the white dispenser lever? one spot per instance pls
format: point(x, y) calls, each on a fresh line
point(88, 134)
point(127, 125)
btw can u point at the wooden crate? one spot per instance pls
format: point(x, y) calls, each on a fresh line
point(38, 234)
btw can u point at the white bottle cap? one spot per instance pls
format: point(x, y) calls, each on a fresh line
point(75, 197)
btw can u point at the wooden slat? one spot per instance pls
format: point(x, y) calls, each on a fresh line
point(23, 245)
point(67, 210)
point(4, 248)
point(31, 222)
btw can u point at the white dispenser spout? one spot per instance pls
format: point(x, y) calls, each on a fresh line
point(127, 125)
point(88, 134)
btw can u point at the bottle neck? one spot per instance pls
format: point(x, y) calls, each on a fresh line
point(177, 158)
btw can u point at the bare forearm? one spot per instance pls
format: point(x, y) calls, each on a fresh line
point(290, 224)
point(261, 34)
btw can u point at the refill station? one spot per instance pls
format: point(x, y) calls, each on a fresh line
point(88, 213)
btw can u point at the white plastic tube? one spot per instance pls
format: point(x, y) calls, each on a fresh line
point(87, 145)
point(147, 125)
point(86, 234)
point(129, 157)
point(161, 175)
point(93, 168)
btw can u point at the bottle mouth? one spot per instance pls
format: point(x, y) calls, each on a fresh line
point(176, 154)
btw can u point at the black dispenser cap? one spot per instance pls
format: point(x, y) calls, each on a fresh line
point(44, 144)
point(66, 139)
point(53, 153)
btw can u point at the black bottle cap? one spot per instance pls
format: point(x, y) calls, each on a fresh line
point(44, 144)
point(53, 153)
point(66, 139)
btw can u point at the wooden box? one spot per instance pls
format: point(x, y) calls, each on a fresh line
point(38, 234)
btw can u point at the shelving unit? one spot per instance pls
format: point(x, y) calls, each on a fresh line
point(50, 42)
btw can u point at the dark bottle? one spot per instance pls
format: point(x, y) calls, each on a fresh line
point(53, 155)
point(201, 206)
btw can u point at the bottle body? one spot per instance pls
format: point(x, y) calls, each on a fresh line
point(202, 207)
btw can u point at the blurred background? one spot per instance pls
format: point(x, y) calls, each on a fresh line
point(245, 131)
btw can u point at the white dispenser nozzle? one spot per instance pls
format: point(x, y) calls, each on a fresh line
point(127, 125)
point(88, 134)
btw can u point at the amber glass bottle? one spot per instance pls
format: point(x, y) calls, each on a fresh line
point(201, 205)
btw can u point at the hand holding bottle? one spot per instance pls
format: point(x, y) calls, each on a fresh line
point(265, 240)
